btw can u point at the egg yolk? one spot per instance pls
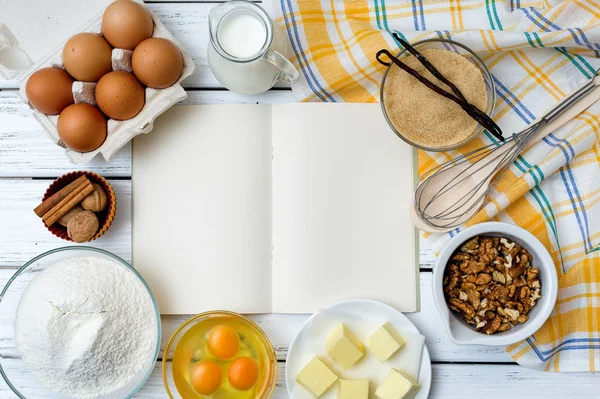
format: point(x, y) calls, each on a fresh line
point(205, 377)
point(243, 373)
point(223, 342)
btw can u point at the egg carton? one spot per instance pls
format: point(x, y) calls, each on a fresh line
point(119, 133)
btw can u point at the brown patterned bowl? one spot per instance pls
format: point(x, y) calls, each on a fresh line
point(105, 217)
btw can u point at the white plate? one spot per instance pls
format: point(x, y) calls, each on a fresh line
point(366, 307)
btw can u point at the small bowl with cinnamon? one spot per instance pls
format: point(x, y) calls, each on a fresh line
point(78, 206)
point(437, 94)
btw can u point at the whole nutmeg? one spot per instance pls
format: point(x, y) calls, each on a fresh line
point(96, 201)
point(83, 226)
point(67, 216)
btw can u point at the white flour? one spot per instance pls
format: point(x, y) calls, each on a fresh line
point(85, 327)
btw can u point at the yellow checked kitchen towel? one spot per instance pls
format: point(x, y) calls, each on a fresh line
point(538, 51)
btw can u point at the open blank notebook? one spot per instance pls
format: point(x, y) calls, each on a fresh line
point(284, 209)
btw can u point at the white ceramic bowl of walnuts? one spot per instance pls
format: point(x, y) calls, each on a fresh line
point(475, 292)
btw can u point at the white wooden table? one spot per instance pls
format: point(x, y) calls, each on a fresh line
point(29, 162)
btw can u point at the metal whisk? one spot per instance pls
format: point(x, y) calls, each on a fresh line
point(451, 193)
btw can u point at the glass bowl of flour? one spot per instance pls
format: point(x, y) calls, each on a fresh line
point(78, 322)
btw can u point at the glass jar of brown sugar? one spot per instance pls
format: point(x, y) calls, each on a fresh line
point(424, 118)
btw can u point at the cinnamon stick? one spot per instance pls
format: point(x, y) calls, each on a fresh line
point(64, 206)
point(58, 196)
point(65, 200)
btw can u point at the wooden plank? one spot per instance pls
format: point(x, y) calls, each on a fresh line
point(152, 389)
point(11, 105)
point(449, 382)
point(23, 235)
point(228, 97)
point(509, 381)
point(282, 328)
point(27, 151)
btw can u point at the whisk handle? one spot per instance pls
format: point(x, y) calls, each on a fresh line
point(566, 110)
point(571, 100)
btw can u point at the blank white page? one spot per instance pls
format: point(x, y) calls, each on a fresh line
point(202, 208)
point(342, 188)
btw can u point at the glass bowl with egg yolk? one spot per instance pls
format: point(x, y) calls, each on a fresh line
point(219, 355)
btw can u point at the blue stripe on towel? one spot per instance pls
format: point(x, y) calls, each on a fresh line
point(300, 53)
point(546, 355)
point(572, 189)
point(515, 104)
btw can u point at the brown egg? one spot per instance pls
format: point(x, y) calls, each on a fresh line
point(87, 57)
point(157, 62)
point(81, 127)
point(120, 95)
point(49, 90)
point(126, 24)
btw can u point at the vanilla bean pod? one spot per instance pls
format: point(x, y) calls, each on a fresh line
point(481, 117)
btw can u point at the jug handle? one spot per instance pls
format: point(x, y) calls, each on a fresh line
point(290, 74)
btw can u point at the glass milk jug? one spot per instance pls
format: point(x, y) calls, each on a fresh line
point(247, 53)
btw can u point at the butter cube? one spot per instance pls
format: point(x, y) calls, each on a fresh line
point(384, 343)
point(343, 347)
point(316, 377)
point(397, 385)
point(353, 389)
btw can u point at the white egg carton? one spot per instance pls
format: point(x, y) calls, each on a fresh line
point(119, 132)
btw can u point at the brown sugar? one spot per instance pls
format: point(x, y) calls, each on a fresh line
point(423, 116)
